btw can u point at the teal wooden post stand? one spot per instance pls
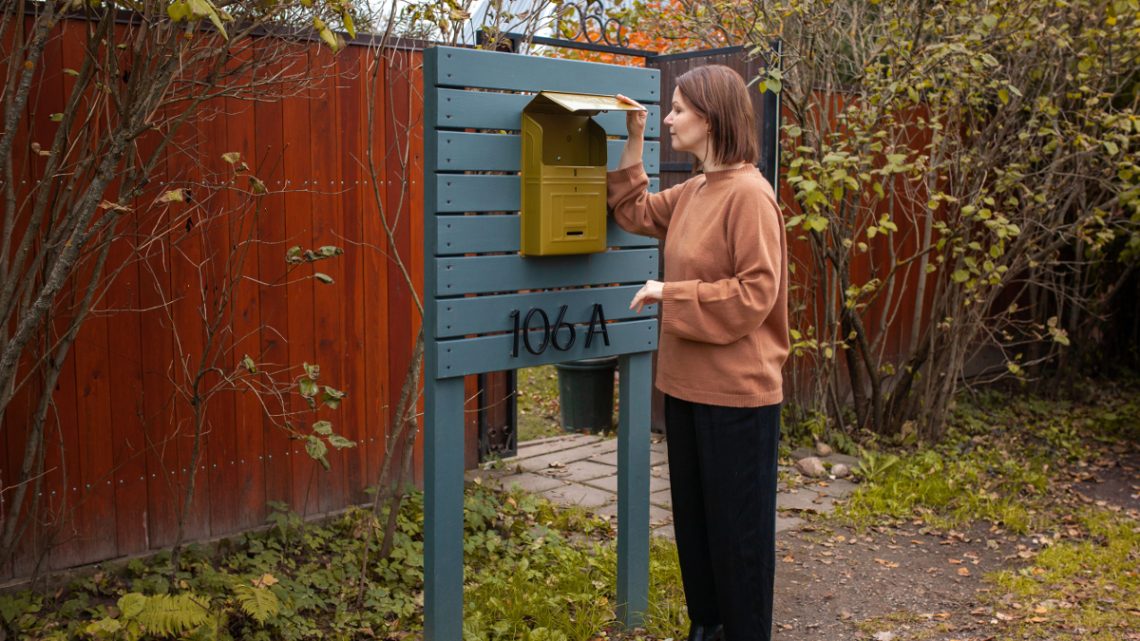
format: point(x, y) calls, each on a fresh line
point(633, 490)
point(488, 308)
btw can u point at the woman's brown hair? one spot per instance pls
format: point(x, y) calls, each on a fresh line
point(719, 95)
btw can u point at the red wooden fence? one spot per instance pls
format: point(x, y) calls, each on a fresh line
point(119, 445)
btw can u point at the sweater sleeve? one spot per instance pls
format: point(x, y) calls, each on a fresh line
point(635, 209)
point(726, 310)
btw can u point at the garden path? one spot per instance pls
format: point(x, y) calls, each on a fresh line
point(581, 470)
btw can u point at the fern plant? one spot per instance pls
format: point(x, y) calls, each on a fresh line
point(160, 615)
point(258, 602)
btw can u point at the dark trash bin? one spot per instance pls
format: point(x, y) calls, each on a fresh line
point(586, 394)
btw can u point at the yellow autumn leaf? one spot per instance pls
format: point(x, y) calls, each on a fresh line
point(265, 580)
point(172, 196)
point(326, 34)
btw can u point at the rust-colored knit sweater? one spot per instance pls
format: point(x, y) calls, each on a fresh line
point(724, 316)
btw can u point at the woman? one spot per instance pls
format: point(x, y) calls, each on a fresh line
point(724, 339)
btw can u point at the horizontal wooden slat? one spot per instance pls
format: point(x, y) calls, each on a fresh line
point(486, 110)
point(496, 70)
point(458, 193)
point(459, 151)
point(459, 357)
point(485, 274)
point(495, 233)
point(486, 314)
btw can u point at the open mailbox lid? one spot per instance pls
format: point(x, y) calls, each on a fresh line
point(585, 103)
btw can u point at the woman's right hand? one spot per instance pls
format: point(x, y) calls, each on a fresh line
point(634, 120)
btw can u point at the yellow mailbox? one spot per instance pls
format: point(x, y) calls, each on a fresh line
point(564, 174)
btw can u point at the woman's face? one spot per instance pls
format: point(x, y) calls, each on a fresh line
point(688, 130)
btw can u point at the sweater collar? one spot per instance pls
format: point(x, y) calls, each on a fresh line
point(728, 174)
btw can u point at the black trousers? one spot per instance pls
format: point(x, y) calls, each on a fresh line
point(722, 472)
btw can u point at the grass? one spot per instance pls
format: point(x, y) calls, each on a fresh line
point(1011, 461)
point(1086, 587)
point(538, 405)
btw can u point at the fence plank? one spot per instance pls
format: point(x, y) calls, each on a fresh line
point(48, 97)
point(495, 70)
point(464, 356)
point(352, 419)
point(492, 110)
point(398, 214)
point(460, 151)
point(249, 446)
point(129, 443)
point(272, 272)
point(325, 157)
point(224, 211)
point(299, 231)
point(500, 233)
point(417, 196)
point(483, 314)
point(156, 336)
point(187, 297)
point(457, 193)
point(477, 274)
point(376, 266)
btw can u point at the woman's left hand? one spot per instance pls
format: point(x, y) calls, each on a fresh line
point(649, 294)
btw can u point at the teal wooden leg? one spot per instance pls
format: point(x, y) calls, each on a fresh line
point(633, 489)
point(443, 509)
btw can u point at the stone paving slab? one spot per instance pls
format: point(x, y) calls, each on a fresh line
point(804, 501)
point(527, 482)
point(609, 483)
point(657, 516)
point(584, 473)
point(567, 456)
point(580, 471)
point(664, 498)
point(581, 495)
point(656, 457)
point(555, 443)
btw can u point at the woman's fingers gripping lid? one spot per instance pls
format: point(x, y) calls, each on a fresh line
point(630, 101)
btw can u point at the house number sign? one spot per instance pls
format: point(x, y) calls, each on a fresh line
point(551, 334)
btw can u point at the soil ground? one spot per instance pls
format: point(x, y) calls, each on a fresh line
point(908, 583)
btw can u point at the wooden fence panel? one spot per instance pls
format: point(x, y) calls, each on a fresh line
point(415, 187)
point(399, 216)
point(189, 298)
point(299, 200)
point(273, 241)
point(250, 441)
point(352, 419)
point(325, 156)
point(380, 380)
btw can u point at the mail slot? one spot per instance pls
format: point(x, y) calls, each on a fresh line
point(564, 174)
